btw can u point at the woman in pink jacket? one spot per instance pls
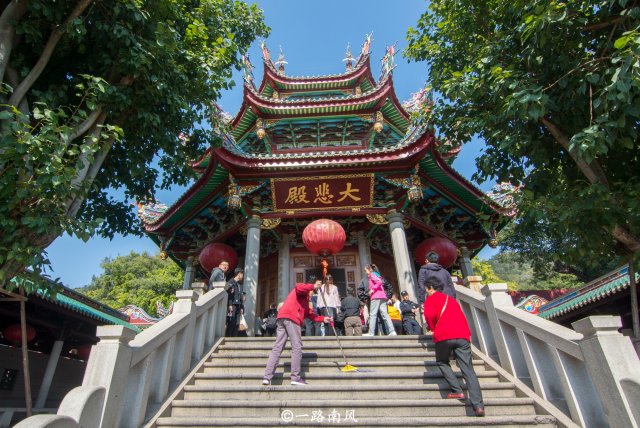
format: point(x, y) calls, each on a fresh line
point(378, 302)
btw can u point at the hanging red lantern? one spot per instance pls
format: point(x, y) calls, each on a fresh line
point(324, 237)
point(13, 333)
point(211, 256)
point(447, 251)
point(84, 351)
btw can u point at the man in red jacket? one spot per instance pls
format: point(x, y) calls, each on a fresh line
point(290, 318)
point(451, 333)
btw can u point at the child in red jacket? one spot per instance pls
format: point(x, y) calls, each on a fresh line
point(290, 318)
point(451, 333)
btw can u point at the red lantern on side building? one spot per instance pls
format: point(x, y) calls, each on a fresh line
point(211, 256)
point(324, 237)
point(13, 334)
point(447, 251)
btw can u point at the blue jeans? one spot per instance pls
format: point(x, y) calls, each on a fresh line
point(379, 305)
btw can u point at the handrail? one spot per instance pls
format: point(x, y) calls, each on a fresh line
point(584, 372)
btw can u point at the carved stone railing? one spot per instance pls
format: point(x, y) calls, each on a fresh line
point(592, 373)
point(129, 376)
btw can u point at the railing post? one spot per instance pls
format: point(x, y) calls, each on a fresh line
point(108, 366)
point(184, 339)
point(613, 365)
point(200, 287)
point(496, 296)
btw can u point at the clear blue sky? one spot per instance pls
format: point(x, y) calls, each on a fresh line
point(313, 36)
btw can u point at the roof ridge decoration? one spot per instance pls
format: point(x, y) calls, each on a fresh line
point(247, 69)
point(388, 62)
point(349, 59)
point(281, 62)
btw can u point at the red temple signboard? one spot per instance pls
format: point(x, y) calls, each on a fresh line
point(293, 194)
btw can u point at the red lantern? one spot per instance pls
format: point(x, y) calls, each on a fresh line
point(447, 251)
point(84, 351)
point(211, 256)
point(13, 333)
point(324, 237)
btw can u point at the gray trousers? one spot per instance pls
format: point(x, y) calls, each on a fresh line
point(379, 305)
point(352, 326)
point(462, 349)
point(286, 329)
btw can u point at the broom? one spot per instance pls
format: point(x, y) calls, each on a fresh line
point(348, 367)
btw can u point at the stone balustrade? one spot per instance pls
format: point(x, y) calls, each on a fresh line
point(130, 376)
point(592, 373)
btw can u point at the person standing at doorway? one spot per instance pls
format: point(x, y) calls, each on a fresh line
point(294, 310)
point(329, 296)
point(350, 315)
point(234, 293)
point(378, 302)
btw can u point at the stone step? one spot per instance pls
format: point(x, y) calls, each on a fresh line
point(305, 339)
point(359, 345)
point(339, 378)
point(332, 354)
point(370, 408)
point(392, 421)
point(333, 366)
point(362, 392)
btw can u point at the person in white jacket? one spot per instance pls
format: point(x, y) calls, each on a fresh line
point(328, 302)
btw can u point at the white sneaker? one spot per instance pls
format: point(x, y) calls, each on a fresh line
point(266, 382)
point(368, 334)
point(393, 333)
point(299, 382)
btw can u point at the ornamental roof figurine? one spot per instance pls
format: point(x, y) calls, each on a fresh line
point(281, 62)
point(387, 61)
point(247, 69)
point(349, 58)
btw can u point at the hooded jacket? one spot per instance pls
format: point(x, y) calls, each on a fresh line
point(431, 270)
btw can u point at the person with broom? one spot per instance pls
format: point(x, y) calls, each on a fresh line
point(288, 325)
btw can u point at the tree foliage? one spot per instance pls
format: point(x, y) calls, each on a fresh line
point(484, 269)
point(95, 95)
point(136, 279)
point(553, 88)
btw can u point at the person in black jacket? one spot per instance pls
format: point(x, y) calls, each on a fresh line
point(350, 316)
point(234, 292)
point(269, 320)
point(431, 269)
point(409, 309)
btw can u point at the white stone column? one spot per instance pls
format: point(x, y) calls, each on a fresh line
point(189, 273)
point(284, 269)
point(465, 262)
point(496, 296)
point(613, 365)
point(401, 256)
point(364, 250)
point(251, 267)
point(52, 363)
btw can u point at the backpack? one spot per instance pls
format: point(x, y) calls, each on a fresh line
point(363, 290)
point(271, 322)
point(388, 287)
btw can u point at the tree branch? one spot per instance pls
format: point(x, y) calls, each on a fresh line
point(85, 126)
point(10, 16)
point(49, 47)
point(593, 171)
point(612, 20)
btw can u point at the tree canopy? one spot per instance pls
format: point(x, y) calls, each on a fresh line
point(553, 88)
point(95, 95)
point(136, 279)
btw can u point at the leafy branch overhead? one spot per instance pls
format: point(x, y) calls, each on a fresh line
point(95, 94)
point(553, 88)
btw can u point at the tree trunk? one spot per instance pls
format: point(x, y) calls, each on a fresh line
point(25, 357)
point(10, 16)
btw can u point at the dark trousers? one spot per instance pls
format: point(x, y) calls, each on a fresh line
point(462, 350)
point(411, 326)
point(328, 312)
point(309, 327)
point(397, 326)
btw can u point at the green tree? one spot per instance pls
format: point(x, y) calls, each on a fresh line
point(484, 269)
point(553, 88)
point(96, 94)
point(137, 279)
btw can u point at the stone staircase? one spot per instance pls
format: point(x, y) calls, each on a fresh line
point(398, 384)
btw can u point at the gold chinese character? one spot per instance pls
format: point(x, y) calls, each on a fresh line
point(297, 195)
point(349, 193)
point(323, 194)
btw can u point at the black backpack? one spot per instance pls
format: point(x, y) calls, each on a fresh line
point(363, 291)
point(271, 322)
point(388, 287)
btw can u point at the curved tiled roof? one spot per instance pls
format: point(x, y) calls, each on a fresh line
point(601, 288)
